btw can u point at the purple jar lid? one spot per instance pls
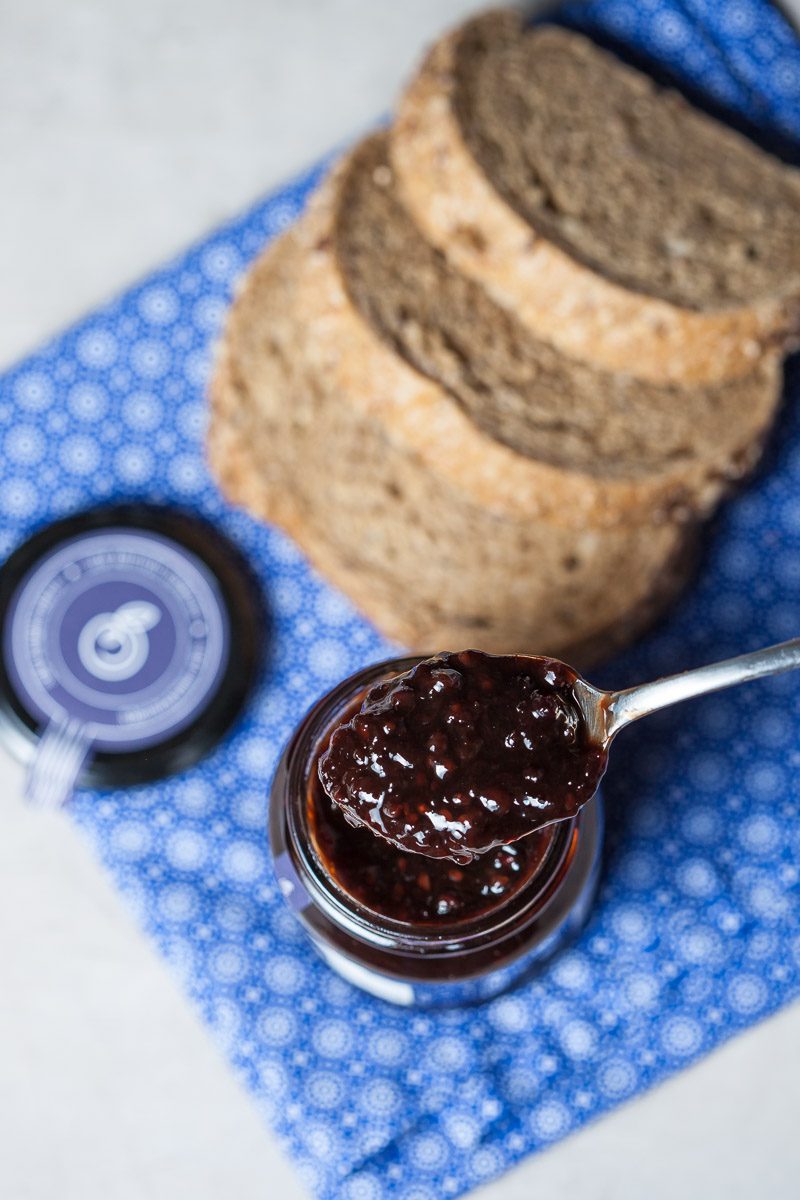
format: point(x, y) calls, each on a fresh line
point(130, 640)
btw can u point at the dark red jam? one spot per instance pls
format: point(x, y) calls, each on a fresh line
point(462, 754)
point(408, 887)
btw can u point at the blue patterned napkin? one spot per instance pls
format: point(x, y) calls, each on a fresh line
point(697, 931)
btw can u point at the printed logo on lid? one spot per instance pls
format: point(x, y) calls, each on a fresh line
point(124, 631)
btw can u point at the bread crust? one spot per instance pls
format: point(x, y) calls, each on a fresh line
point(557, 297)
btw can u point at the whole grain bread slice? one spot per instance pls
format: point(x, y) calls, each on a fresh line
point(303, 433)
point(573, 427)
point(610, 216)
point(378, 540)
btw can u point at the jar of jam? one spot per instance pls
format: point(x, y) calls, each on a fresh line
point(411, 929)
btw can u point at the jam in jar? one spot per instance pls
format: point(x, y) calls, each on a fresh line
point(412, 929)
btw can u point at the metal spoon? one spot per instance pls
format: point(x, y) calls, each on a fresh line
point(606, 713)
point(471, 826)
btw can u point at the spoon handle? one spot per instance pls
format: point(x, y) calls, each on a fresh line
point(632, 703)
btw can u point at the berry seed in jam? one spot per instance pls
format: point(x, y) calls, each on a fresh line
point(464, 754)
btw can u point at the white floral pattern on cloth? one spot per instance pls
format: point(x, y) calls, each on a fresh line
point(697, 931)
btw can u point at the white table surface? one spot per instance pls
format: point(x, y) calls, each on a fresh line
point(128, 128)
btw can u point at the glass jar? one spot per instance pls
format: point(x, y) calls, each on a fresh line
point(436, 963)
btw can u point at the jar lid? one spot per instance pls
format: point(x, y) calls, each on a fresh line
point(129, 641)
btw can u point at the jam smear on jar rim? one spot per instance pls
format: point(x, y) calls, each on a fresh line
point(462, 756)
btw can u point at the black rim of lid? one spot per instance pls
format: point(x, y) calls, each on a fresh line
point(247, 618)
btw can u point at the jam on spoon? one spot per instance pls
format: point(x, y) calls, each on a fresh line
point(467, 752)
point(464, 754)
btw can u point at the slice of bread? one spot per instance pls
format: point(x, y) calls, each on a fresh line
point(318, 426)
point(572, 429)
point(610, 216)
point(379, 541)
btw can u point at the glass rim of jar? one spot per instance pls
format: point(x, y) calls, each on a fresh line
point(367, 923)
